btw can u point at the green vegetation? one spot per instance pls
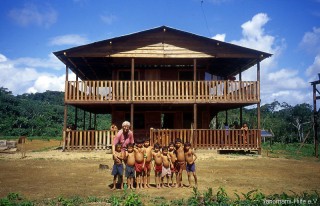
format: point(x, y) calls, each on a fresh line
point(221, 198)
point(39, 115)
point(291, 150)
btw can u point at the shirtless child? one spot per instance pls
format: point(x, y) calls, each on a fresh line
point(157, 164)
point(139, 154)
point(180, 162)
point(147, 166)
point(190, 159)
point(117, 169)
point(173, 157)
point(166, 165)
point(130, 162)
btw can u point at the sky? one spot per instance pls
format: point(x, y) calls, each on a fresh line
point(31, 30)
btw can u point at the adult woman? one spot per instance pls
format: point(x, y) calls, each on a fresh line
point(124, 137)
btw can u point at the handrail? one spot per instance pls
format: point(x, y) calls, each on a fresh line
point(114, 91)
point(220, 139)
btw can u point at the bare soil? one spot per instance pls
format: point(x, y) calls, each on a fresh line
point(47, 172)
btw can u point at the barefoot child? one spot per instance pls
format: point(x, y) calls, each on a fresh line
point(157, 164)
point(173, 157)
point(180, 162)
point(190, 159)
point(166, 165)
point(139, 154)
point(147, 166)
point(117, 169)
point(130, 162)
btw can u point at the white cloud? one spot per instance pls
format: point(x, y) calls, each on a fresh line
point(70, 39)
point(314, 69)
point(108, 19)
point(19, 78)
point(282, 84)
point(52, 62)
point(47, 82)
point(219, 37)
point(311, 41)
point(31, 14)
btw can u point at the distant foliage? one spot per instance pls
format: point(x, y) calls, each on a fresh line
point(39, 114)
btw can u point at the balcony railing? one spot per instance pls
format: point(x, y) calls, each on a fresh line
point(221, 139)
point(162, 91)
point(231, 139)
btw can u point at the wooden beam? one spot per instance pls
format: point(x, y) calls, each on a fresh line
point(195, 122)
point(131, 116)
point(258, 105)
point(84, 120)
point(132, 106)
point(67, 73)
point(315, 122)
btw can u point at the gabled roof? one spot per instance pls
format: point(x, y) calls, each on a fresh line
point(158, 46)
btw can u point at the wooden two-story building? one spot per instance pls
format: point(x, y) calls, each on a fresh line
point(168, 83)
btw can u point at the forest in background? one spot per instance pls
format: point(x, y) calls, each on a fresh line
point(41, 114)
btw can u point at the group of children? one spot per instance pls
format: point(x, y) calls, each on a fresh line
point(140, 158)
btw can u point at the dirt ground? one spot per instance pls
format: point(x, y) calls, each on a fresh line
point(47, 172)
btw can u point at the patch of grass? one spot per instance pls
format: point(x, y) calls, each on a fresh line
point(220, 198)
point(291, 150)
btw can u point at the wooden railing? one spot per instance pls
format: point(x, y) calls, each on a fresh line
point(231, 139)
point(88, 139)
point(162, 91)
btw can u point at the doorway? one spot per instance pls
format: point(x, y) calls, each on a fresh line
point(167, 120)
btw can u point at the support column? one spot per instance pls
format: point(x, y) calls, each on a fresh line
point(131, 116)
point(84, 120)
point(76, 110)
point(195, 125)
point(315, 121)
point(241, 120)
point(65, 105)
point(258, 108)
point(132, 95)
point(65, 116)
point(90, 120)
point(258, 105)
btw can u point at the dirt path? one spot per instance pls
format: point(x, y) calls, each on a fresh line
point(52, 173)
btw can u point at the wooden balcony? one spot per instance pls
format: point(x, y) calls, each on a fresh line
point(162, 91)
point(232, 139)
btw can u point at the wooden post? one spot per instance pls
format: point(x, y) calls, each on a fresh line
point(65, 116)
point(258, 105)
point(131, 116)
point(95, 121)
point(76, 111)
point(90, 126)
point(84, 120)
point(241, 120)
point(132, 106)
point(195, 118)
point(315, 120)
point(240, 79)
point(258, 109)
